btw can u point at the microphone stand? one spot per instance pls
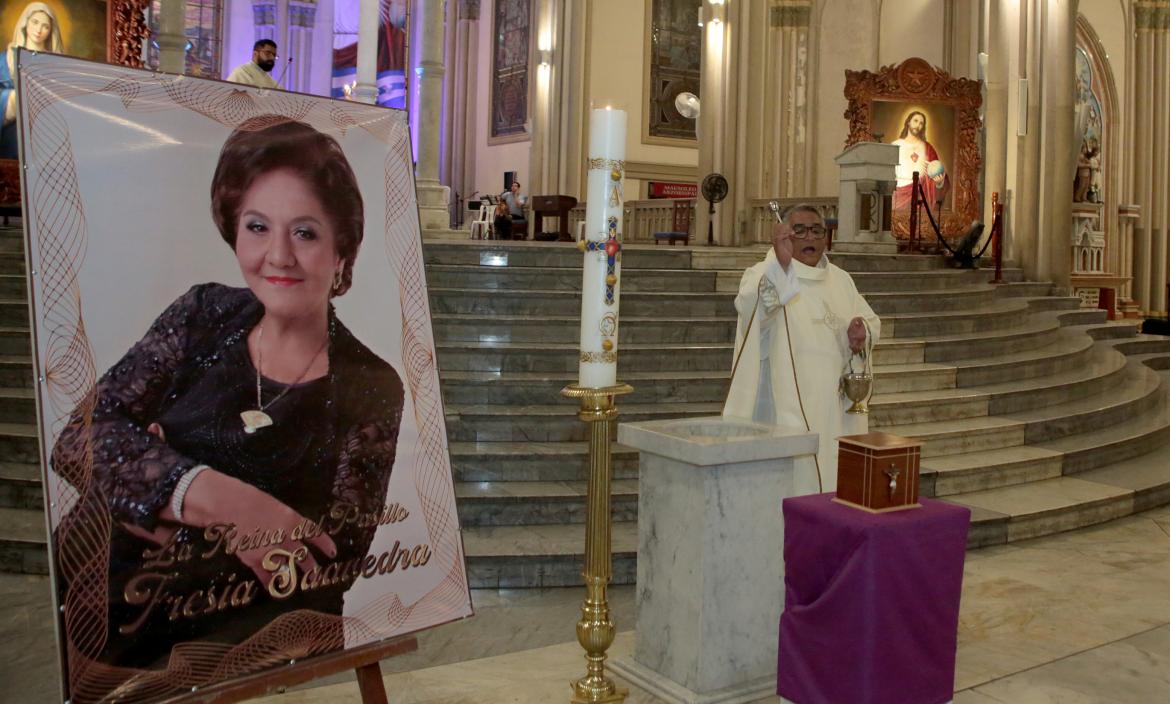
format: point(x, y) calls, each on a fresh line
point(284, 70)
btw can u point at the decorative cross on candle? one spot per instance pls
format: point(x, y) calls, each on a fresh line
point(612, 247)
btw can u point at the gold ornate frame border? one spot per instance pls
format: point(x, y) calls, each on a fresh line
point(56, 213)
point(126, 29)
point(916, 80)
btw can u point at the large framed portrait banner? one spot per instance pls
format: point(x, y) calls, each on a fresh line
point(246, 464)
point(934, 121)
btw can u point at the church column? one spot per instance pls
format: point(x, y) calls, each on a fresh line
point(788, 171)
point(458, 165)
point(369, 23)
point(569, 71)
point(995, 110)
point(1058, 156)
point(171, 37)
point(302, 16)
point(543, 111)
point(1151, 105)
point(717, 101)
point(428, 31)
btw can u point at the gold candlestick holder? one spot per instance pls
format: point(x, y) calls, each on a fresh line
point(595, 630)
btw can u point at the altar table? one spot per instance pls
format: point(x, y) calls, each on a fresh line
point(871, 604)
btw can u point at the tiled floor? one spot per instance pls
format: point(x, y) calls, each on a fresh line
point(1074, 618)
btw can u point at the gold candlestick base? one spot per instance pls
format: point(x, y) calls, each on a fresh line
point(595, 630)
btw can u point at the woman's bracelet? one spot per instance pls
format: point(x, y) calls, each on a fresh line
point(181, 490)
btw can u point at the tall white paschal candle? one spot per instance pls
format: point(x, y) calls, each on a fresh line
point(601, 282)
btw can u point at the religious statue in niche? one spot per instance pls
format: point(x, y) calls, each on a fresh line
point(1089, 126)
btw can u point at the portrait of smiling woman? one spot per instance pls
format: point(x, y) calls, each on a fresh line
point(246, 422)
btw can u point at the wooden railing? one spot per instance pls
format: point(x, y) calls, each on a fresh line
point(761, 220)
point(641, 219)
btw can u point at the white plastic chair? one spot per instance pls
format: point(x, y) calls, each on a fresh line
point(481, 227)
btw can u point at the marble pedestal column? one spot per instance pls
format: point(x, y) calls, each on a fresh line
point(710, 556)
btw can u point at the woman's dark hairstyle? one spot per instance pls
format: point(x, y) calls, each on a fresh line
point(268, 143)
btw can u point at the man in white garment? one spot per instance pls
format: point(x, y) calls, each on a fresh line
point(800, 320)
point(257, 72)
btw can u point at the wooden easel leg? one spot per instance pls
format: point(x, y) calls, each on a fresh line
point(369, 679)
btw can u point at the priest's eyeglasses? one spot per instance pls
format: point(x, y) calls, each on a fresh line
point(808, 232)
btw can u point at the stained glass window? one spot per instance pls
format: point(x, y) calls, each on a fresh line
point(203, 28)
point(675, 52)
point(512, 21)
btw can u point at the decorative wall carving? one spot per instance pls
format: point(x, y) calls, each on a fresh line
point(914, 82)
point(127, 30)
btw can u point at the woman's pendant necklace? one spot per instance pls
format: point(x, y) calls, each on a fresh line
point(255, 419)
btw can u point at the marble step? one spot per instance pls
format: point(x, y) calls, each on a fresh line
point(1100, 373)
point(524, 388)
point(23, 546)
point(18, 405)
point(964, 298)
point(12, 242)
point(933, 281)
point(20, 486)
point(17, 340)
point(12, 263)
point(568, 303)
point(543, 423)
point(1069, 351)
point(1138, 432)
point(533, 461)
point(16, 371)
point(13, 286)
point(565, 357)
point(1000, 314)
point(538, 502)
point(1135, 394)
point(1024, 511)
point(18, 443)
point(14, 312)
point(547, 254)
point(509, 557)
point(490, 279)
point(525, 328)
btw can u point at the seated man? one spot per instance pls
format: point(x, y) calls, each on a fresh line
point(516, 205)
point(257, 72)
point(800, 320)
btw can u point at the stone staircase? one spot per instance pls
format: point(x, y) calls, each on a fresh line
point(1039, 416)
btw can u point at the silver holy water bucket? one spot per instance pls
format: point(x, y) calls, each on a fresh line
point(857, 387)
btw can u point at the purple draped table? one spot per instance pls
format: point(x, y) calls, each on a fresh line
point(871, 603)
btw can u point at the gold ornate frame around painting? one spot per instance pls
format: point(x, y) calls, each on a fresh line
point(915, 82)
point(126, 30)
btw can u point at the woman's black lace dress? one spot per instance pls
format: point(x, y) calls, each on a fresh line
point(332, 442)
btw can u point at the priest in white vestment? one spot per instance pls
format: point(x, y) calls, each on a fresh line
point(797, 294)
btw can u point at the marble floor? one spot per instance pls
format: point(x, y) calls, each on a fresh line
point(1074, 618)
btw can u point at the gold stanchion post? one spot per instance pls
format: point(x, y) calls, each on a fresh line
point(595, 630)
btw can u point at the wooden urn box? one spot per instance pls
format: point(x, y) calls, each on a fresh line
point(878, 472)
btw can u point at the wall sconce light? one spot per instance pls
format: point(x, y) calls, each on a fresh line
point(544, 57)
point(711, 13)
